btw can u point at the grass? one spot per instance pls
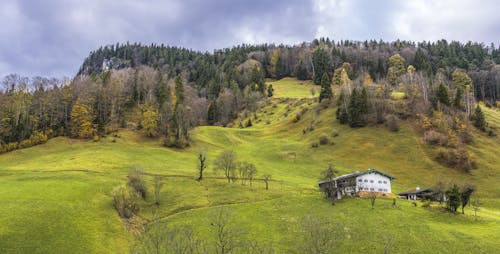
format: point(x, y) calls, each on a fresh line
point(56, 197)
point(293, 88)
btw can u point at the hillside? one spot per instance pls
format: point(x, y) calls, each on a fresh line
point(57, 196)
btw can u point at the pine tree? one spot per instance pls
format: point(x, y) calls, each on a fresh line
point(457, 102)
point(363, 101)
point(301, 71)
point(358, 106)
point(342, 114)
point(442, 95)
point(321, 63)
point(270, 91)
point(353, 109)
point(326, 89)
point(212, 113)
point(478, 118)
point(179, 90)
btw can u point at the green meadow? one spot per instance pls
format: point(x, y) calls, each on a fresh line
point(56, 197)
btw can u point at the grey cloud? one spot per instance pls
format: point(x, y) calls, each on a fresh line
point(52, 37)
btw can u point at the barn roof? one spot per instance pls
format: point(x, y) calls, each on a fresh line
point(408, 192)
point(357, 173)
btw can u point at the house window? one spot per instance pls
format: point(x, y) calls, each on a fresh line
point(360, 180)
point(371, 181)
point(379, 181)
point(372, 189)
point(366, 181)
point(385, 181)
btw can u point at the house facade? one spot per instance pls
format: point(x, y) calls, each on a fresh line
point(365, 183)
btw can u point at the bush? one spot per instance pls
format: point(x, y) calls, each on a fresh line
point(324, 104)
point(125, 202)
point(137, 182)
point(426, 203)
point(96, 138)
point(491, 133)
point(433, 137)
point(323, 139)
point(392, 123)
point(456, 158)
point(314, 144)
point(335, 133)
point(297, 117)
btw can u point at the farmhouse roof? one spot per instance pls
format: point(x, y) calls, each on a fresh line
point(415, 191)
point(356, 174)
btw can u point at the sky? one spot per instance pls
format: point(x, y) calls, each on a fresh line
point(52, 37)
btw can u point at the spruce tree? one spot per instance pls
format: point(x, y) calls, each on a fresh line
point(442, 95)
point(353, 110)
point(458, 98)
point(270, 91)
point(342, 114)
point(326, 89)
point(478, 118)
point(301, 71)
point(212, 113)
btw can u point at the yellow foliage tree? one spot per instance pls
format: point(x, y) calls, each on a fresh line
point(149, 121)
point(81, 121)
point(368, 79)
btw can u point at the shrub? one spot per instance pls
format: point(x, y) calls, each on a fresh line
point(125, 202)
point(491, 133)
point(324, 104)
point(96, 138)
point(314, 144)
point(392, 123)
point(335, 133)
point(456, 158)
point(433, 137)
point(426, 203)
point(323, 139)
point(297, 117)
point(137, 182)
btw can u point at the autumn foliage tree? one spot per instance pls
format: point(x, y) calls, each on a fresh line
point(81, 125)
point(149, 121)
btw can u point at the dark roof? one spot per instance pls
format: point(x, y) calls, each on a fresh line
point(408, 192)
point(356, 174)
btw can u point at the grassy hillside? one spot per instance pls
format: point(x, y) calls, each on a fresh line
point(293, 88)
point(56, 197)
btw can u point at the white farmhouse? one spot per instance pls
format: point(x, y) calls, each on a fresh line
point(369, 182)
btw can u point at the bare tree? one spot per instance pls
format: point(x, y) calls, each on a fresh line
point(476, 204)
point(226, 161)
point(202, 156)
point(228, 238)
point(319, 234)
point(439, 191)
point(267, 178)
point(160, 239)
point(158, 184)
point(251, 172)
point(329, 174)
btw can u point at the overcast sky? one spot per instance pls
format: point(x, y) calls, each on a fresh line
point(52, 37)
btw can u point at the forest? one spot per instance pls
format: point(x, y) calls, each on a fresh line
point(169, 90)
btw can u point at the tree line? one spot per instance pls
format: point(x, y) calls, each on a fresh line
point(165, 91)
